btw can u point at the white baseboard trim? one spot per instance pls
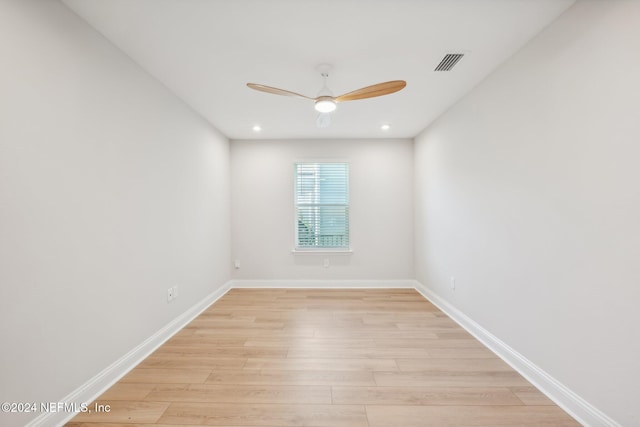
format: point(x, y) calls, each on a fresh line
point(325, 284)
point(574, 405)
point(97, 385)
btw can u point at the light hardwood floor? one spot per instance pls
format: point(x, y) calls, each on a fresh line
point(352, 357)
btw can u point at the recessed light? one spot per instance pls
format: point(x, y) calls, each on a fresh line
point(385, 127)
point(256, 128)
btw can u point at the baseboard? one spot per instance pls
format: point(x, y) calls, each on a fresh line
point(574, 405)
point(325, 284)
point(97, 385)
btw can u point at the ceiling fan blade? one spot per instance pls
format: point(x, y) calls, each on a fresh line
point(372, 91)
point(276, 91)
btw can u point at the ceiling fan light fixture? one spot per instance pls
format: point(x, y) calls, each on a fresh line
point(325, 104)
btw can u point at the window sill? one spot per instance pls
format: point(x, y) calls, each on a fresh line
point(321, 251)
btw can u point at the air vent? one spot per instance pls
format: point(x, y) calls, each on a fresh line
point(449, 60)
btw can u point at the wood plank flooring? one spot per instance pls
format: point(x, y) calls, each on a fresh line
point(315, 358)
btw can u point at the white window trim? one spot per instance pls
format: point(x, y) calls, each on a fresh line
point(322, 251)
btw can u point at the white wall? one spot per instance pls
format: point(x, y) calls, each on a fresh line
point(527, 191)
point(111, 191)
point(381, 210)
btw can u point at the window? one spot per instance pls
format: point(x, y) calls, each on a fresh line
point(322, 205)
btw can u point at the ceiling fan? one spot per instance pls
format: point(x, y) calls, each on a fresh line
point(325, 102)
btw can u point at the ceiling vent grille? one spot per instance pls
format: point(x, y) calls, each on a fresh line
point(449, 60)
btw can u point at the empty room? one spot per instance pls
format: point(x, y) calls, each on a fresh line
point(319, 213)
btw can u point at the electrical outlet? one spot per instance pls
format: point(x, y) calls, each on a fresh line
point(175, 292)
point(453, 283)
point(236, 264)
point(326, 263)
point(169, 294)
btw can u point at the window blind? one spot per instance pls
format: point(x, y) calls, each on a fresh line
point(322, 205)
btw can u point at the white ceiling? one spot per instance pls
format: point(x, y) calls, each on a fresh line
point(205, 51)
